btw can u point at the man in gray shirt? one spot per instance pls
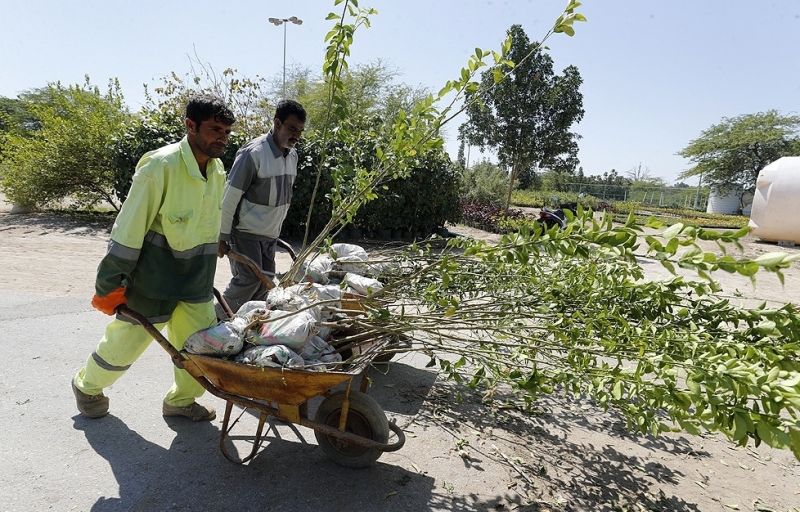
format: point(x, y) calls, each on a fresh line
point(257, 196)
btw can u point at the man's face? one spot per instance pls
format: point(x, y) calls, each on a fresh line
point(210, 137)
point(287, 133)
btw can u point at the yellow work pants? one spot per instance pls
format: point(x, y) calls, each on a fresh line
point(124, 342)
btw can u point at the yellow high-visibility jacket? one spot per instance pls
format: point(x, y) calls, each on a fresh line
point(164, 241)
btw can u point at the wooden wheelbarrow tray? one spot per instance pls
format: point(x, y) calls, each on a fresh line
point(349, 426)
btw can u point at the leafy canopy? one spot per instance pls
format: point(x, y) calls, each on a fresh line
point(526, 116)
point(571, 312)
point(68, 153)
point(734, 151)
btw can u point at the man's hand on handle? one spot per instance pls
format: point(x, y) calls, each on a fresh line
point(110, 302)
point(223, 248)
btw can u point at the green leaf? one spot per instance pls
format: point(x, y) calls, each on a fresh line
point(773, 436)
point(794, 435)
point(652, 222)
point(497, 75)
point(747, 269)
point(673, 231)
point(771, 259)
point(693, 386)
point(616, 392)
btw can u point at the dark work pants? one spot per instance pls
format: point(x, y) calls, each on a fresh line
point(245, 284)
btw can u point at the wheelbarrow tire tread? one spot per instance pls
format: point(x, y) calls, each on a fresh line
point(365, 417)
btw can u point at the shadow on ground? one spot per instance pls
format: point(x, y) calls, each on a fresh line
point(289, 471)
point(551, 471)
point(80, 224)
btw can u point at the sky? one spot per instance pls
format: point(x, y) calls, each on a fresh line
point(656, 73)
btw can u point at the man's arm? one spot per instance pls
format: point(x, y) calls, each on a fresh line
point(241, 176)
point(130, 227)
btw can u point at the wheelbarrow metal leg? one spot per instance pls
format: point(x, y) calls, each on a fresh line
point(225, 431)
point(345, 408)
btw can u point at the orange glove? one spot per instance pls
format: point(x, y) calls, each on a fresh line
point(110, 302)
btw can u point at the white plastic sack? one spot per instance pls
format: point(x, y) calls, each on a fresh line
point(313, 293)
point(324, 333)
point(381, 267)
point(325, 360)
point(349, 252)
point(362, 285)
point(223, 339)
point(275, 356)
point(286, 299)
point(314, 349)
point(285, 328)
point(349, 258)
point(252, 308)
point(316, 271)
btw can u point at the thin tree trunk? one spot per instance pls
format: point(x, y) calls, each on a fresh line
point(511, 178)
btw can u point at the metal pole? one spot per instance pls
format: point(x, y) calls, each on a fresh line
point(284, 61)
point(697, 195)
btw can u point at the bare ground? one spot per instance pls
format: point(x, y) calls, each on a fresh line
point(567, 456)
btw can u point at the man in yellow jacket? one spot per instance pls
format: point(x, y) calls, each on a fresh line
point(161, 259)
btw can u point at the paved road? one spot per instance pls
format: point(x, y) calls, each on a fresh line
point(134, 459)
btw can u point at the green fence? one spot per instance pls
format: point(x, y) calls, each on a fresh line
point(681, 197)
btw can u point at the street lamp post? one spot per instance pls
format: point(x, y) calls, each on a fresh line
point(284, 21)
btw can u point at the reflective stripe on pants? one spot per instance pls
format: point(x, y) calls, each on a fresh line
point(124, 342)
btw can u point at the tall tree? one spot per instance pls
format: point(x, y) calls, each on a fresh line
point(372, 92)
point(527, 116)
point(734, 151)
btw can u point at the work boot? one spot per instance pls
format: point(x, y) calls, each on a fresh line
point(91, 406)
point(194, 411)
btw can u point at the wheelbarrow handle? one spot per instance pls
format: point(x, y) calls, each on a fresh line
point(262, 275)
point(173, 352)
point(287, 247)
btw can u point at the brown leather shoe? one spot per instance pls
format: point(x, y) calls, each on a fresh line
point(194, 411)
point(91, 406)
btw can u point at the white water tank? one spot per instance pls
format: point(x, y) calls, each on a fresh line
point(775, 215)
point(729, 202)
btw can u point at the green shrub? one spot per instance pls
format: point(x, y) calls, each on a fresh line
point(150, 130)
point(422, 202)
point(669, 216)
point(69, 155)
point(484, 182)
point(161, 120)
point(552, 199)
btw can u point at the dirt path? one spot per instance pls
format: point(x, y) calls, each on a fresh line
point(567, 457)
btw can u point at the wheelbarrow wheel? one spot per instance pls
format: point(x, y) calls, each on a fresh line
point(365, 418)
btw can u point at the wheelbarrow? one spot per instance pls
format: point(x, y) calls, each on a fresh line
point(349, 425)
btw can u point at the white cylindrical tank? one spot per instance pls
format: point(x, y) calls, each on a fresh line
point(727, 203)
point(775, 215)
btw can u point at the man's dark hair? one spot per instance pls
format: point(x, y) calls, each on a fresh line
point(202, 107)
point(288, 107)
